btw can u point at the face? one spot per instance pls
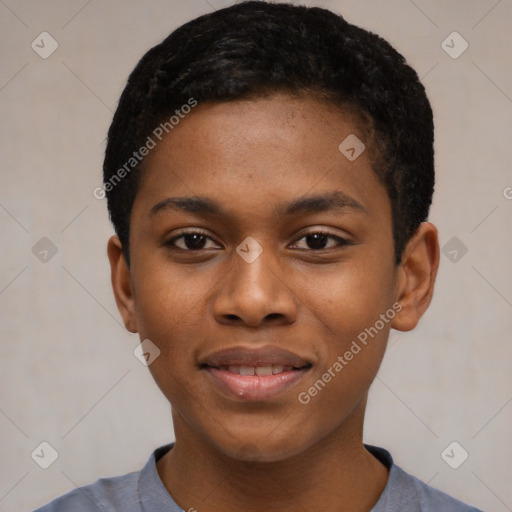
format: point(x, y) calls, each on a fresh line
point(259, 255)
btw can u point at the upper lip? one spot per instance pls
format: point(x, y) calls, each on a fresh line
point(261, 356)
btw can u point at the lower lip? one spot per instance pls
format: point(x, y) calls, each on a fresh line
point(253, 388)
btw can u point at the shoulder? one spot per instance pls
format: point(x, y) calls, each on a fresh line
point(105, 495)
point(407, 493)
point(133, 492)
point(417, 495)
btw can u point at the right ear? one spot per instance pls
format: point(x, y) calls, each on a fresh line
point(121, 283)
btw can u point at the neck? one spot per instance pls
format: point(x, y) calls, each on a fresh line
point(335, 474)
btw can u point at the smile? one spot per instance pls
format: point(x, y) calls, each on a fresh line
point(251, 374)
point(255, 384)
point(260, 371)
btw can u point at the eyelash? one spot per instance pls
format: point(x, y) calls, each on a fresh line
point(341, 241)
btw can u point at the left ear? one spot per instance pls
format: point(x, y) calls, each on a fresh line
point(416, 277)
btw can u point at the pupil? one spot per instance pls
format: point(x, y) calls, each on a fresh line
point(317, 240)
point(194, 241)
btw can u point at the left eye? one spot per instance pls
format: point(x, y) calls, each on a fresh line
point(319, 241)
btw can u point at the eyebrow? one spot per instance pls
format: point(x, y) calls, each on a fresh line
point(335, 200)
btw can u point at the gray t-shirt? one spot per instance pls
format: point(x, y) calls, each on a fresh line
point(143, 491)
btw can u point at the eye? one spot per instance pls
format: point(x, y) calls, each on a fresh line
point(190, 241)
point(196, 241)
point(320, 240)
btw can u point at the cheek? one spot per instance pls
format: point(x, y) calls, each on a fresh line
point(167, 312)
point(167, 296)
point(352, 299)
point(168, 307)
point(346, 371)
point(355, 309)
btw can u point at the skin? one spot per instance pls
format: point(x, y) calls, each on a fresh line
point(252, 157)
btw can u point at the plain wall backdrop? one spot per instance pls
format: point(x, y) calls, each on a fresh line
point(68, 373)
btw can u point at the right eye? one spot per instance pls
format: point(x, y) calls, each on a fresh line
point(189, 241)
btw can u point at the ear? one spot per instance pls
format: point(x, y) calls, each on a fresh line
point(416, 277)
point(121, 283)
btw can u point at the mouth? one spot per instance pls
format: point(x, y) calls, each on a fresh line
point(259, 371)
point(255, 374)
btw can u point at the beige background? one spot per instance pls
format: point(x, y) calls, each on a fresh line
point(68, 374)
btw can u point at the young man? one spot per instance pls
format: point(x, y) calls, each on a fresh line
point(269, 172)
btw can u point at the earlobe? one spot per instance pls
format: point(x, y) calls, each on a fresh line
point(121, 283)
point(416, 277)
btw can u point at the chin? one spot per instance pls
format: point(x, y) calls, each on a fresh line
point(254, 448)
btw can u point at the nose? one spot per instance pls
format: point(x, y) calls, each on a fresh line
point(254, 294)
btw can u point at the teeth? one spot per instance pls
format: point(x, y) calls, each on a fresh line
point(263, 370)
point(260, 371)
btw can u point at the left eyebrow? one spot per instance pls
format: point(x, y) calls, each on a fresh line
point(335, 200)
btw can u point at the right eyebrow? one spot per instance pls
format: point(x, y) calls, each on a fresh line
point(193, 204)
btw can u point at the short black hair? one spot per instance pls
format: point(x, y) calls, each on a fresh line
point(255, 48)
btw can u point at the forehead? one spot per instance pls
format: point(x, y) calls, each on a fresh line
point(262, 151)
